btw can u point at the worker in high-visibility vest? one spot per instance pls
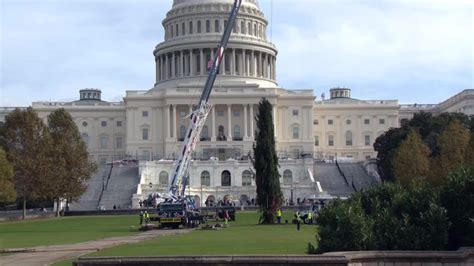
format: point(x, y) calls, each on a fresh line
point(279, 215)
point(147, 217)
point(310, 217)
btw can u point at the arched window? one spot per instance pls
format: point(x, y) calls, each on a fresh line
point(145, 133)
point(205, 178)
point(225, 179)
point(296, 132)
point(182, 132)
point(163, 179)
point(287, 177)
point(216, 25)
point(246, 178)
point(199, 26)
point(249, 28)
point(183, 28)
point(220, 133)
point(190, 27)
point(85, 138)
point(330, 140)
point(205, 133)
point(208, 26)
point(176, 30)
point(348, 138)
point(237, 131)
point(242, 27)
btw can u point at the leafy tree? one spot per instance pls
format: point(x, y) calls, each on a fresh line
point(411, 159)
point(427, 125)
point(7, 188)
point(267, 178)
point(70, 156)
point(26, 140)
point(452, 144)
point(457, 196)
point(469, 157)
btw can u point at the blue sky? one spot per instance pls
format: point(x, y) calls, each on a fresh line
point(416, 51)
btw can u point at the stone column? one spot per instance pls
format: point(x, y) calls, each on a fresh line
point(245, 122)
point(260, 65)
point(201, 59)
point(166, 68)
point(174, 122)
point(162, 69)
point(158, 69)
point(222, 67)
point(229, 122)
point(253, 64)
point(168, 121)
point(191, 63)
point(181, 65)
point(252, 118)
point(274, 68)
point(232, 69)
point(173, 66)
point(213, 130)
point(242, 64)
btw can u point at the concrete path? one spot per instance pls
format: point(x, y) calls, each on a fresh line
point(45, 255)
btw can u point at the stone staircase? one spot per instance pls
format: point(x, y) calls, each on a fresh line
point(331, 180)
point(356, 172)
point(120, 187)
point(89, 200)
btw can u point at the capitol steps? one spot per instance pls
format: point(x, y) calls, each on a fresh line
point(121, 186)
point(355, 172)
point(331, 180)
point(90, 198)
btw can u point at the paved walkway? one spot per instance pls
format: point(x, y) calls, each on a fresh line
point(45, 255)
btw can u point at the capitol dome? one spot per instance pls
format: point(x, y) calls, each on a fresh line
point(192, 32)
point(197, 2)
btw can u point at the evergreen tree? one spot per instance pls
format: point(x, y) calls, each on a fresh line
point(269, 195)
point(411, 159)
point(7, 188)
point(70, 156)
point(452, 143)
point(26, 140)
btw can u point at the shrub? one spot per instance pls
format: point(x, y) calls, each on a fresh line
point(457, 196)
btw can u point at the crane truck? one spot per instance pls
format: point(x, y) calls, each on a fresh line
point(177, 208)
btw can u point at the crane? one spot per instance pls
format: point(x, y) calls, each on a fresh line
point(198, 117)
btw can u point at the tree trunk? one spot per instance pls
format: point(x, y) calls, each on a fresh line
point(57, 206)
point(24, 208)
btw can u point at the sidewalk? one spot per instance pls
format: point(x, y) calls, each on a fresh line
point(45, 255)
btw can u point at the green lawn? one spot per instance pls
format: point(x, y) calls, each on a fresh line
point(242, 237)
point(64, 230)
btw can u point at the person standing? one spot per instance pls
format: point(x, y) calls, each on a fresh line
point(147, 217)
point(141, 217)
point(226, 217)
point(279, 216)
point(298, 220)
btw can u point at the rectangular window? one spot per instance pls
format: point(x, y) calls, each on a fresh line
point(199, 26)
point(316, 140)
point(183, 28)
point(182, 114)
point(118, 142)
point(220, 113)
point(296, 132)
point(119, 123)
point(145, 134)
point(103, 123)
point(348, 142)
point(367, 157)
point(367, 140)
point(330, 122)
point(315, 122)
point(366, 121)
point(237, 113)
point(295, 112)
point(104, 142)
point(216, 25)
point(145, 113)
point(331, 140)
point(190, 27)
point(176, 30)
point(381, 121)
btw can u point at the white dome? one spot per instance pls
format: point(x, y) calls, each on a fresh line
point(197, 2)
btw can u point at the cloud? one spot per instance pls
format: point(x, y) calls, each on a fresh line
point(412, 50)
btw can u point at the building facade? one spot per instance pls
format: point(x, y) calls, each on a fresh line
point(150, 125)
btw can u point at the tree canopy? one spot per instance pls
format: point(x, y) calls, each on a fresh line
point(7, 188)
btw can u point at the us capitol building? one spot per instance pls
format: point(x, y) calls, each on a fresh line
point(150, 125)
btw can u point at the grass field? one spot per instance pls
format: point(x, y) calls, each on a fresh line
point(242, 237)
point(63, 230)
